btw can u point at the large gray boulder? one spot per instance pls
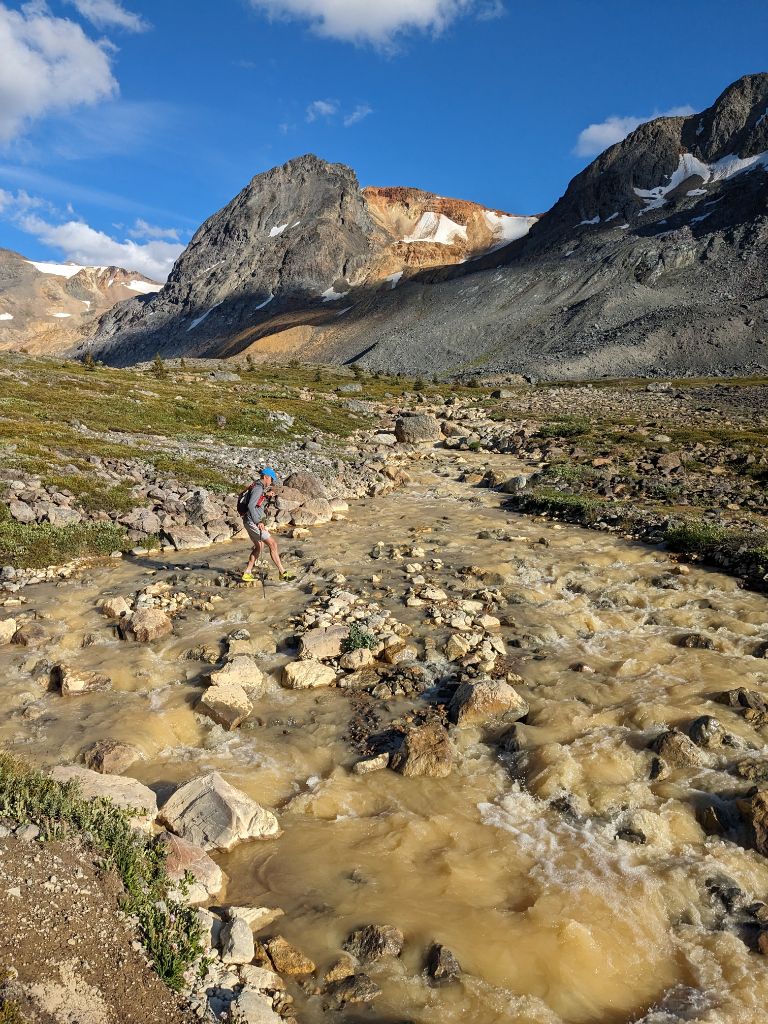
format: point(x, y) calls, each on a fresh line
point(415, 428)
point(211, 813)
point(121, 791)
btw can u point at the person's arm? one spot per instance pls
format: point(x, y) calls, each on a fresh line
point(253, 504)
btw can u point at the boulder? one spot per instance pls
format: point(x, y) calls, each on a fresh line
point(182, 857)
point(677, 750)
point(286, 958)
point(237, 945)
point(375, 941)
point(320, 508)
point(425, 750)
point(258, 918)
point(123, 792)
point(252, 1007)
point(241, 670)
point(110, 757)
point(21, 512)
point(322, 642)
point(355, 988)
point(30, 634)
point(149, 624)
point(7, 629)
point(185, 537)
point(706, 731)
point(226, 703)
point(307, 675)
point(759, 818)
point(307, 484)
point(442, 965)
point(114, 607)
point(478, 703)
point(72, 682)
point(416, 428)
point(211, 813)
point(355, 660)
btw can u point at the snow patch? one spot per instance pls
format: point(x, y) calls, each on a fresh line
point(331, 295)
point(688, 166)
point(612, 217)
point(59, 269)
point(199, 319)
point(143, 287)
point(595, 220)
point(436, 227)
point(274, 232)
point(394, 279)
point(763, 117)
point(5, 316)
point(341, 312)
point(61, 316)
point(696, 192)
point(506, 227)
point(698, 220)
point(266, 302)
point(623, 227)
point(295, 223)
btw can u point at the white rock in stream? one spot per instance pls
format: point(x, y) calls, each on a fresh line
point(227, 704)
point(240, 670)
point(211, 813)
point(306, 675)
point(7, 629)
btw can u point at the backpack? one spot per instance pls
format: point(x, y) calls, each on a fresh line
point(244, 497)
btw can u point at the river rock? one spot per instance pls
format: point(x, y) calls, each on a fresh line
point(425, 750)
point(237, 946)
point(211, 813)
point(7, 628)
point(355, 660)
point(227, 704)
point(183, 857)
point(241, 670)
point(114, 607)
point(253, 1007)
point(375, 941)
point(286, 958)
point(478, 703)
point(759, 818)
point(307, 484)
point(706, 731)
point(258, 918)
point(355, 988)
point(261, 978)
point(442, 965)
point(371, 764)
point(110, 757)
point(677, 750)
point(30, 634)
point(123, 792)
point(149, 624)
point(416, 428)
point(323, 642)
point(307, 675)
point(72, 682)
point(185, 537)
point(740, 697)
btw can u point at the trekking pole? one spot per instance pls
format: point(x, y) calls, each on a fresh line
point(262, 573)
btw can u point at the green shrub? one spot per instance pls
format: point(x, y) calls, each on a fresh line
point(358, 639)
point(169, 930)
point(570, 427)
point(36, 545)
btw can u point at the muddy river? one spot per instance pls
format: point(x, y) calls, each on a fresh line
point(571, 886)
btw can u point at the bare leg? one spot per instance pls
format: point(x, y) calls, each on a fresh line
point(255, 552)
point(274, 554)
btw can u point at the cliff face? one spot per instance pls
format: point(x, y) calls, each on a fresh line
point(300, 243)
point(49, 307)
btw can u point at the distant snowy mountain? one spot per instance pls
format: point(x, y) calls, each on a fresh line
point(49, 307)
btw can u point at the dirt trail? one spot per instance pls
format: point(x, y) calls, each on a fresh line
point(571, 885)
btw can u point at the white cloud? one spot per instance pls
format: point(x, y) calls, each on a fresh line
point(598, 137)
point(48, 65)
point(361, 21)
point(80, 243)
point(110, 14)
point(141, 229)
point(321, 108)
point(361, 111)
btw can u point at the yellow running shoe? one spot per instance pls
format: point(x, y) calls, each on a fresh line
point(248, 577)
point(287, 576)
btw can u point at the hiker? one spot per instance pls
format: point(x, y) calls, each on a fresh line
point(252, 507)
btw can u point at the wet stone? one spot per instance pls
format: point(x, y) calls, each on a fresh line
point(442, 965)
point(677, 750)
point(287, 958)
point(694, 641)
point(743, 698)
point(375, 941)
point(706, 731)
point(357, 988)
point(425, 750)
point(110, 756)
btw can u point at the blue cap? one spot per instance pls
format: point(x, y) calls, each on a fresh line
point(268, 472)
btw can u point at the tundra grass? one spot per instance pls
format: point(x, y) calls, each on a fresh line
point(36, 545)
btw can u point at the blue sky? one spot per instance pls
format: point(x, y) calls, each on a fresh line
point(123, 125)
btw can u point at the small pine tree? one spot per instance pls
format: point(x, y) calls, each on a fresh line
point(88, 361)
point(159, 369)
point(419, 384)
